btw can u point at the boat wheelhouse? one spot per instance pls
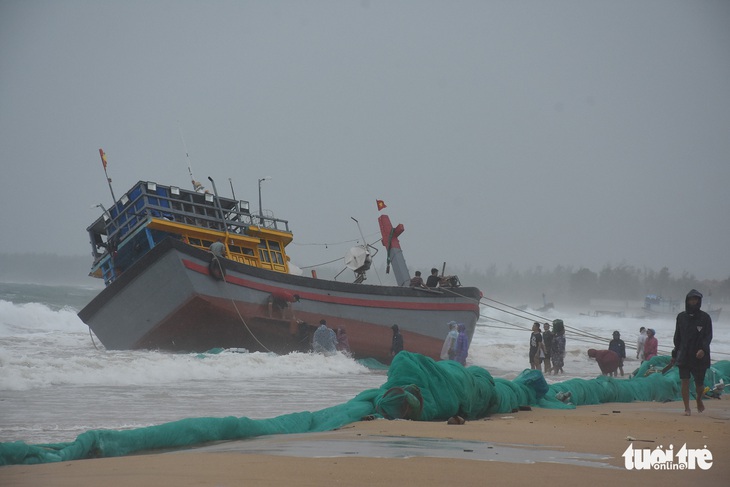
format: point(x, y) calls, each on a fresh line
point(149, 212)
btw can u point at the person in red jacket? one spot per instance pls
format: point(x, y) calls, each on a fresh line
point(651, 345)
point(607, 360)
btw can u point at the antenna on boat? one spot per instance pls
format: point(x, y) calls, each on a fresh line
point(220, 208)
point(196, 185)
point(359, 229)
point(233, 193)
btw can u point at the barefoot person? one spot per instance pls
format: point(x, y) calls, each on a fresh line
point(692, 337)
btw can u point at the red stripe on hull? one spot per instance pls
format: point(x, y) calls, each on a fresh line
point(371, 303)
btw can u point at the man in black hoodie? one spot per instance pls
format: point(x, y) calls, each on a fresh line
point(692, 337)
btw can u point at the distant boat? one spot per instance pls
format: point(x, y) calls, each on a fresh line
point(657, 306)
point(166, 290)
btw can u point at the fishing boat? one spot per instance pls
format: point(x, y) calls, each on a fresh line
point(658, 306)
point(165, 288)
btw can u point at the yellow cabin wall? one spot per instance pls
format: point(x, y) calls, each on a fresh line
point(257, 241)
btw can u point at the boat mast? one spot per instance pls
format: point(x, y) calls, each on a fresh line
point(220, 209)
point(196, 185)
point(108, 179)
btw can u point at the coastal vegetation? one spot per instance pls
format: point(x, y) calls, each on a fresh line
point(536, 286)
point(578, 286)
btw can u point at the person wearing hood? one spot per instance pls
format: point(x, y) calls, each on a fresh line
point(324, 340)
point(448, 350)
point(462, 344)
point(691, 354)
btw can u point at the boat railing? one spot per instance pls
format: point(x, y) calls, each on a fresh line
point(147, 200)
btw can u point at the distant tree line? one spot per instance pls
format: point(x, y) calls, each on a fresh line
point(578, 286)
point(535, 286)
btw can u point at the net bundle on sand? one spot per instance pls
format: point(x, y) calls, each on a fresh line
point(417, 388)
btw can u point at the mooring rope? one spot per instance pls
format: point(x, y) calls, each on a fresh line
point(223, 277)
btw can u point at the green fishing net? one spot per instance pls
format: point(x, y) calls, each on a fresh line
point(417, 388)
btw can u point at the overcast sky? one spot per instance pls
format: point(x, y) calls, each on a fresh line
point(524, 133)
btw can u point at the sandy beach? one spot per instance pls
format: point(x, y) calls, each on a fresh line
point(509, 449)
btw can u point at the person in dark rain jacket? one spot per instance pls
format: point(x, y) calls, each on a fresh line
point(691, 354)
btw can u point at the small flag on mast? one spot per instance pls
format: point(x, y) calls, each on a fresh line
point(381, 204)
point(103, 158)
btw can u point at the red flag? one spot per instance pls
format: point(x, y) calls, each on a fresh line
point(381, 204)
point(103, 158)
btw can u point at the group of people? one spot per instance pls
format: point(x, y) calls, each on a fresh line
point(611, 361)
point(547, 348)
point(647, 345)
point(432, 281)
point(456, 345)
point(328, 341)
point(691, 353)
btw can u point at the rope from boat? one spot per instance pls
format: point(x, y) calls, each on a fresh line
point(319, 265)
point(92, 339)
point(339, 259)
point(233, 302)
point(578, 335)
point(581, 335)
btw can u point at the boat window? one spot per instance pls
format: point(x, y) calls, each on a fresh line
point(276, 254)
point(264, 252)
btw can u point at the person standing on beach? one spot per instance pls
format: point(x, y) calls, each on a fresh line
point(396, 344)
point(448, 351)
point(651, 345)
point(557, 354)
point(343, 343)
point(462, 344)
point(692, 337)
point(640, 344)
point(324, 340)
point(547, 341)
point(536, 346)
point(619, 347)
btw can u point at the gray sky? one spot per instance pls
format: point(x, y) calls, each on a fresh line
point(580, 133)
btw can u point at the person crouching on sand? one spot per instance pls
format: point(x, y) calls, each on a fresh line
point(607, 360)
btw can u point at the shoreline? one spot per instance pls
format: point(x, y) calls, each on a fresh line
point(512, 449)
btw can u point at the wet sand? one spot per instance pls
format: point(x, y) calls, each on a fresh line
point(555, 446)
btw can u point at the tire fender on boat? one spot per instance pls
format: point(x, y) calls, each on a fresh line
point(216, 269)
